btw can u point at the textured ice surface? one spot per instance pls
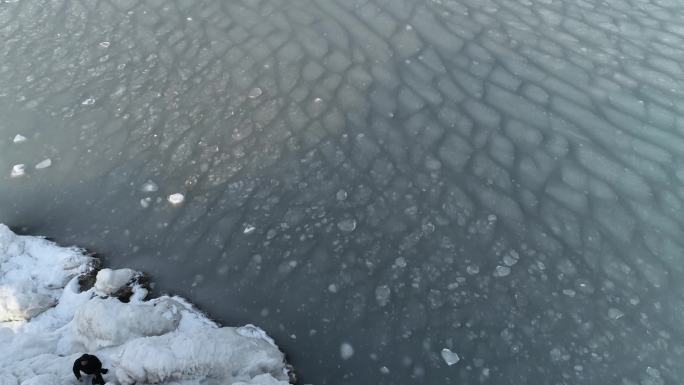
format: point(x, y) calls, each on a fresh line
point(451, 131)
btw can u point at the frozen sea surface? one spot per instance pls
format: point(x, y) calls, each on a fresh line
point(502, 179)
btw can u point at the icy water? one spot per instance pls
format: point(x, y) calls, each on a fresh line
point(371, 181)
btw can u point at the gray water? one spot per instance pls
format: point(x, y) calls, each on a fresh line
point(501, 178)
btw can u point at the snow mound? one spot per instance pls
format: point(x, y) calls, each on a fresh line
point(32, 273)
point(109, 322)
point(213, 353)
point(48, 319)
point(22, 301)
point(7, 379)
point(110, 281)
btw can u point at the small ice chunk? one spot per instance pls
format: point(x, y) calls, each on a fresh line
point(149, 187)
point(176, 199)
point(502, 271)
point(653, 373)
point(347, 225)
point(44, 164)
point(249, 229)
point(384, 370)
point(433, 164)
point(145, 202)
point(615, 314)
point(428, 228)
point(332, 288)
point(255, 93)
point(472, 269)
point(19, 138)
point(450, 357)
point(511, 258)
point(509, 261)
point(346, 351)
point(382, 294)
point(18, 170)
point(104, 44)
point(400, 262)
point(341, 195)
point(88, 102)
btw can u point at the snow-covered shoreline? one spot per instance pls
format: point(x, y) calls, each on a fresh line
point(47, 320)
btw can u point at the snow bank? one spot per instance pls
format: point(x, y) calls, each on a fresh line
point(108, 322)
point(110, 281)
point(32, 272)
point(211, 353)
point(47, 321)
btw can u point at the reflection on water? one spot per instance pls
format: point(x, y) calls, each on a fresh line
point(371, 181)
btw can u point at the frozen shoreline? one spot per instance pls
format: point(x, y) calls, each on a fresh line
point(47, 321)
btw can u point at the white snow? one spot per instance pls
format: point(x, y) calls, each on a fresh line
point(98, 323)
point(46, 322)
point(19, 138)
point(109, 281)
point(32, 273)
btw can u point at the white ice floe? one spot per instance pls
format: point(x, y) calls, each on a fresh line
point(450, 357)
point(255, 93)
point(149, 187)
point(18, 170)
point(176, 199)
point(346, 351)
point(19, 138)
point(49, 318)
point(44, 164)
